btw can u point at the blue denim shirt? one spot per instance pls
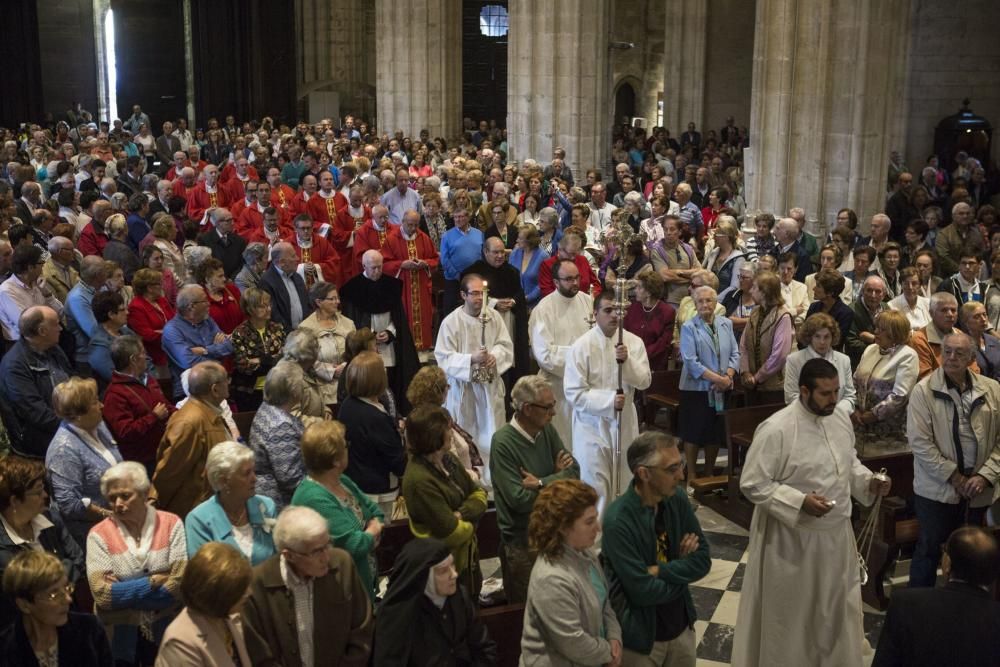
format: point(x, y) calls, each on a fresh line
point(698, 352)
point(179, 336)
point(80, 318)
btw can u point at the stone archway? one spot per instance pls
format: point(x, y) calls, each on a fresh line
point(624, 102)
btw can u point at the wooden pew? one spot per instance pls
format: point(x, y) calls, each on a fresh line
point(505, 624)
point(662, 393)
point(397, 533)
point(243, 422)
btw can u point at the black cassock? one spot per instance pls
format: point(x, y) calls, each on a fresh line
point(360, 298)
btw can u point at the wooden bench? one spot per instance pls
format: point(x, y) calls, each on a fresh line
point(505, 624)
point(243, 422)
point(663, 392)
point(396, 534)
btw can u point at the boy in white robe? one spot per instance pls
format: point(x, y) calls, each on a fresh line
point(475, 406)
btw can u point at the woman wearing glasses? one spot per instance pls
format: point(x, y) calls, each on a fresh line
point(45, 632)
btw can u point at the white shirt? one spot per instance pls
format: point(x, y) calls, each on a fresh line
point(919, 315)
point(302, 596)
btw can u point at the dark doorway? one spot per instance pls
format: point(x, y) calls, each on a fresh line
point(149, 50)
point(484, 60)
point(624, 103)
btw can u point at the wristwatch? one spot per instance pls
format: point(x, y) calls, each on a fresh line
point(540, 485)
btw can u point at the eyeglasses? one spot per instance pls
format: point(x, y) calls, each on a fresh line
point(547, 408)
point(673, 470)
point(56, 596)
point(315, 553)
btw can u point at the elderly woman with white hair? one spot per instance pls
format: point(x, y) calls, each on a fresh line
point(711, 360)
point(135, 559)
point(118, 249)
point(275, 434)
point(235, 514)
point(302, 348)
point(295, 594)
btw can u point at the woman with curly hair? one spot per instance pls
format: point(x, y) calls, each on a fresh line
point(430, 387)
point(568, 617)
point(819, 336)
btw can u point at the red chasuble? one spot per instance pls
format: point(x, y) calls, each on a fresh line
point(340, 237)
point(200, 200)
point(323, 255)
point(368, 238)
point(418, 292)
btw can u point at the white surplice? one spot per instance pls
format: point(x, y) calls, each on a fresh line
point(801, 598)
point(556, 323)
point(591, 383)
point(476, 407)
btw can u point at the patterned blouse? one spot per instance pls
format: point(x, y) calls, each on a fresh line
point(249, 343)
point(884, 381)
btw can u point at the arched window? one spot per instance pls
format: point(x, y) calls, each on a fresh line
point(493, 21)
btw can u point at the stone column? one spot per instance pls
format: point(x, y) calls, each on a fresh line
point(418, 49)
point(337, 53)
point(828, 76)
point(559, 82)
point(684, 69)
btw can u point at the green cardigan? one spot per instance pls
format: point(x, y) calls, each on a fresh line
point(510, 451)
point(346, 531)
point(432, 500)
point(628, 549)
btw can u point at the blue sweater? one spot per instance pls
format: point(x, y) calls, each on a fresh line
point(208, 523)
point(460, 250)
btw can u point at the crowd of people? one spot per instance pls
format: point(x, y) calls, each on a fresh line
point(415, 329)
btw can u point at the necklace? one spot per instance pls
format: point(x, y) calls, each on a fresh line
point(240, 517)
point(648, 310)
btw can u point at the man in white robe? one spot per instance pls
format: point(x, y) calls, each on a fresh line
point(478, 407)
point(801, 599)
point(591, 386)
point(558, 321)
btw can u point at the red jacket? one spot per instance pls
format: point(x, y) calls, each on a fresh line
point(128, 412)
point(587, 277)
point(148, 322)
point(91, 241)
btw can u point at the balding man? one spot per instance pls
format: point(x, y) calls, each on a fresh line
point(411, 257)
point(956, 236)
point(191, 336)
point(80, 320)
point(460, 248)
point(373, 235)
point(289, 300)
point(325, 208)
point(179, 162)
point(184, 185)
point(206, 195)
point(58, 272)
point(226, 246)
point(166, 145)
point(786, 235)
point(402, 198)
point(953, 427)
point(913, 634)
point(93, 237)
point(179, 481)
point(29, 201)
point(29, 372)
point(866, 309)
point(880, 227)
point(375, 300)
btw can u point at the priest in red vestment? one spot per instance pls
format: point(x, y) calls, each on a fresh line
point(248, 200)
point(236, 176)
point(325, 207)
point(252, 217)
point(270, 230)
point(300, 204)
point(281, 194)
point(185, 183)
point(410, 256)
point(353, 217)
point(207, 194)
point(318, 261)
point(373, 235)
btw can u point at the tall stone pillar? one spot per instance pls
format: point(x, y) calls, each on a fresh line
point(559, 81)
point(827, 78)
point(418, 80)
point(336, 53)
point(684, 70)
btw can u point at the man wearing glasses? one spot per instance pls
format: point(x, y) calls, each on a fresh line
point(654, 549)
point(527, 454)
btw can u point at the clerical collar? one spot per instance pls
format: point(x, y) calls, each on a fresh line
point(209, 188)
point(324, 195)
point(405, 235)
point(303, 244)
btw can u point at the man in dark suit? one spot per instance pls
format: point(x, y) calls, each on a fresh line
point(131, 181)
point(289, 301)
point(692, 137)
point(166, 145)
point(29, 201)
point(957, 624)
point(226, 246)
point(866, 309)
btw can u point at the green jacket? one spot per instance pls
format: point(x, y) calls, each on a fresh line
point(628, 549)
point(432, 500)
point(509, 452)
point(346, 531)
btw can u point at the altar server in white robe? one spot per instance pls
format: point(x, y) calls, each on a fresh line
point(591, 386)
point(478, 407)
point(558, 321)
point(801, 599)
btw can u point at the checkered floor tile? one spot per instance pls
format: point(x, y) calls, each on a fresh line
point(717, 596)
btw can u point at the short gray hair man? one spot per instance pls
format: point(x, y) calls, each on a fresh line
point(296, 526)
point(527, 389)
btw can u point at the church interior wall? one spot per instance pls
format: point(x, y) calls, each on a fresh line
point(728, 63)
point(67, 54)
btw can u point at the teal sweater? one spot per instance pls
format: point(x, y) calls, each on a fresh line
point(629, 548)
point(509, 452)
point(346, 531)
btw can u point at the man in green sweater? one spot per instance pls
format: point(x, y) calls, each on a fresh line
point(527, 455)
point(653, 548)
